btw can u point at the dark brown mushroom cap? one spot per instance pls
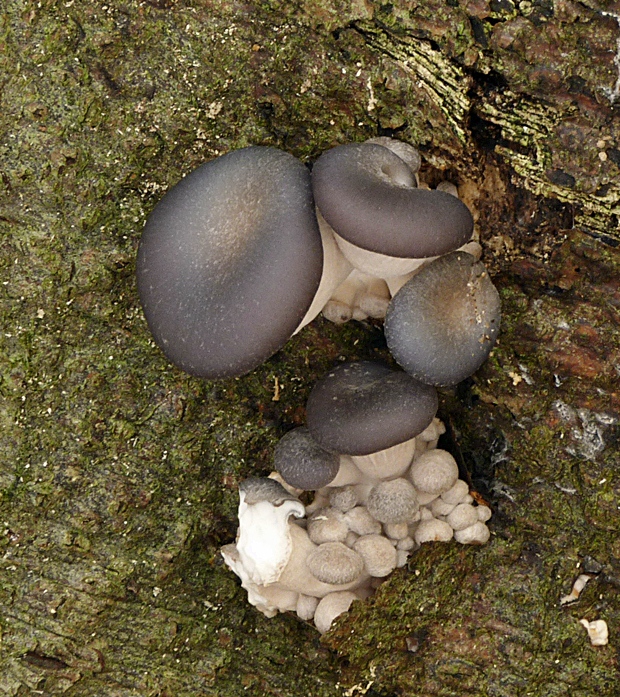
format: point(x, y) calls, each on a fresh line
point(229, 261)
point(303, 463)
point(361, 408)
point(442, 324)
point(368, 195)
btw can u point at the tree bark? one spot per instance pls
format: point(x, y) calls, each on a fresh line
point(119, 474)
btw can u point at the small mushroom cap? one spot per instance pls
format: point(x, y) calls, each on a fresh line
point(457, 493)
point(303, 463)
point(368, 195)
point(361, 408)
point(360, 521)
point(462, 516)
point(476, 534)
point(327, 525)
point(393, 501)
point(434, 472)
point(343, 498)
point(442, 324)
point(230, 260)
point(432, 530)
point(378, 553)
point(335, 563)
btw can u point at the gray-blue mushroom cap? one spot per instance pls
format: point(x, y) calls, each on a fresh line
point(364, 407)
point(442, 324)
point(230, 260)
point(369, 197)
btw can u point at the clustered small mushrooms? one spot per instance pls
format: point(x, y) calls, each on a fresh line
point(249, 248)
point(393, 491)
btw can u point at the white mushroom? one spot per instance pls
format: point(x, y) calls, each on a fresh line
point(393, 501)
point(434, 472)
point(359, 296)
point(396, 531)
point(330, 607)
point(361, 522)
point(378, 553)
point(439, 507)
point(335, 563)
point(343, 498)
point(457, 493)
point(463, 516)
point(476, 534)
point(327, 525)
point(432, 530)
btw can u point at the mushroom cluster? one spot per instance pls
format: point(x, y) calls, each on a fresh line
point(382, 489)
point(250, 247)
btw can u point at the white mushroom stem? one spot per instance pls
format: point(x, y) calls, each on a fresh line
point(389, 463)
point(348, 473)
point(359, 296)
point(374, 263)
point(330, 607)
point(336, 268)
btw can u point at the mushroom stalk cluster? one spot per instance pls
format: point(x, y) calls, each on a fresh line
point(387, 490)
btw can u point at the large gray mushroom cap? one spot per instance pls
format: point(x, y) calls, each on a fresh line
point(442, 324)
point(230, 260)
point(361, 408)
point(303, 463)
point(369, 197)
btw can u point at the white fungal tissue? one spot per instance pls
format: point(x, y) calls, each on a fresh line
point(597, 632)
point(351, 536)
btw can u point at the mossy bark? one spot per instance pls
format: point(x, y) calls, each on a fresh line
point(118, 473)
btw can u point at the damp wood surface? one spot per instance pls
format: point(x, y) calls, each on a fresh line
point(119, 473)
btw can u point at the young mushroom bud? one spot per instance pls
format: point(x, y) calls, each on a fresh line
point(434, 472)
point(362, 408)
point(335, 563)
point(303, 463)
point(378, 553)
point(229, 262)
point(393, 501)
point(442, 324)
point(432, 530)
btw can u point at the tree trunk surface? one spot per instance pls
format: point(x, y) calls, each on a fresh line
point(119, 473)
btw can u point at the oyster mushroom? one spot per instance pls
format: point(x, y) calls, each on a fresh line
point(229, 262)
point(442, 324)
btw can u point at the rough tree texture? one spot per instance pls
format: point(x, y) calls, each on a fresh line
point(118, 473)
